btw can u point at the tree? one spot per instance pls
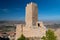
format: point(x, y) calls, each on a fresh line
point(49, 35)
point(22, 37)
point(44, 38)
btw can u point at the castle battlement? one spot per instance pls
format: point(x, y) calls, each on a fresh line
point(31, 4)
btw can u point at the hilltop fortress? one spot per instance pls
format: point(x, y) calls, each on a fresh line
point(32, 27)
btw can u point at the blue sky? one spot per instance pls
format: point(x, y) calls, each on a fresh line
point(15, 9)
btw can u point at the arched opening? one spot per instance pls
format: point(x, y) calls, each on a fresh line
point(38, 25)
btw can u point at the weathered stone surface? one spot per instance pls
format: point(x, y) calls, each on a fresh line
point(32, 28)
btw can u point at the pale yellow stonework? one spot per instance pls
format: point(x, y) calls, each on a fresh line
point(32, 27)
point(31, 14)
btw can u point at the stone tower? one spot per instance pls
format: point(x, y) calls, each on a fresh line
point(33, 28)
point(31, 14)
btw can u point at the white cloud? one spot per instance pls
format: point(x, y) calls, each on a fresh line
point(4, 10)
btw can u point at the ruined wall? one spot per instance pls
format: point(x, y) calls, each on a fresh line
point(18, 31)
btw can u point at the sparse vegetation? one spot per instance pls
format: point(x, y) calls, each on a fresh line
point(49, 35)
point(23, 38)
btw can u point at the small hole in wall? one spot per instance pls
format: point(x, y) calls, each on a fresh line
point(38, 25)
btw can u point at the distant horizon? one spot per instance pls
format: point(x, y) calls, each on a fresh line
point(38, 20)
point(48, 10)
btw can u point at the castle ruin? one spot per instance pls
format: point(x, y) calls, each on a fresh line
point(32, 27)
